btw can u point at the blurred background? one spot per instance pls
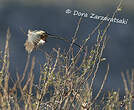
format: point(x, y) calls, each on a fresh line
point(50, 15)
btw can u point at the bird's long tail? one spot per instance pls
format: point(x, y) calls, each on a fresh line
point(61, 38)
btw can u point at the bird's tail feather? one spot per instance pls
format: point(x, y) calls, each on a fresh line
point(64, 39)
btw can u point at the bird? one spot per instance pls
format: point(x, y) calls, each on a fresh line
point(38, 37)
point(35, 39)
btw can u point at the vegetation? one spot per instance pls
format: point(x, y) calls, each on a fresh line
point(65, 82)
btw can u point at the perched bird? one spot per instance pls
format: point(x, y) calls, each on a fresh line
point(37, 38)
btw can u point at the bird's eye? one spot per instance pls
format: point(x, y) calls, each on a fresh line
point(43, 36)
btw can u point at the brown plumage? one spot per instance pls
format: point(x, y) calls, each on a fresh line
point(35, 39)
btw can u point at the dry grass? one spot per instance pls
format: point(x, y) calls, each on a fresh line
point(68, 78)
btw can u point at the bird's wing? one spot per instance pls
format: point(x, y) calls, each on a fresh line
point(33, 37)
